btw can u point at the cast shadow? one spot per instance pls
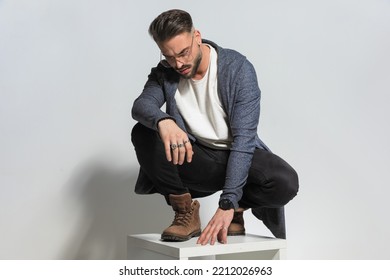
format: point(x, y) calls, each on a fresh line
point(110, 210)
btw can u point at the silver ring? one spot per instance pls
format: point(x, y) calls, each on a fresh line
point(180, 145)
point(173, 146)
point(185, 142)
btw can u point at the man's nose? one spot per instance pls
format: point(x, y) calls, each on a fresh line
point(178, 63)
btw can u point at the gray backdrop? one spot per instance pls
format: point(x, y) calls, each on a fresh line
point(70, 70)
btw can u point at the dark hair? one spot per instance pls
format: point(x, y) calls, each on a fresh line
point(169, 24)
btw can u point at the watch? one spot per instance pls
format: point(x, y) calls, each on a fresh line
point(226, 204)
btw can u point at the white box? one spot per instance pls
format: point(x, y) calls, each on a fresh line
point(247, 247)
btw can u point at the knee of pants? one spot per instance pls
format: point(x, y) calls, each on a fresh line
point(139, 134)
point(288, 185)
point(274, 192)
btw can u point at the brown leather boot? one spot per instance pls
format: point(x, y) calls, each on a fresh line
point(187, 222)
point(236, 227)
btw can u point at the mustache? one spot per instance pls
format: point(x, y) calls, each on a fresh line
point(184, 67)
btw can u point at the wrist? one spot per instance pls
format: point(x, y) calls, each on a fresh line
point(226, 204)
point(164, 124)
point(164, 120)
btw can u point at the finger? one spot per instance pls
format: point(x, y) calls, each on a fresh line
point(189, 151)
point(167, 147)
point(174, 153)
point(206, 235)
point(203, 238)
point(222, 235)
point(182, 153)
point(213, 239)
point(211, 235)
point(214, 236)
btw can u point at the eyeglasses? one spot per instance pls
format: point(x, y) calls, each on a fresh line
point(185, 55)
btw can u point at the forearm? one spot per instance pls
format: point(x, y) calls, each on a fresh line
point(236, 176)
point(147, 114)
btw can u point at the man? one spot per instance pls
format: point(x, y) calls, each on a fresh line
point(207, 140)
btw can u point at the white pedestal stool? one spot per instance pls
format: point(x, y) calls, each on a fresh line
point(248, 247)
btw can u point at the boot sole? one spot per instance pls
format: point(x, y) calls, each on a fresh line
point(175, 238)
point(236, 233)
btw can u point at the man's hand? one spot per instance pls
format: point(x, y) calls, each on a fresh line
point(176, 143)
point(217, 228)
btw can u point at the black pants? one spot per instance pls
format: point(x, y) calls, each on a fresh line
point(271, 182)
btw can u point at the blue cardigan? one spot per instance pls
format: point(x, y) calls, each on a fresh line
point(240, 96)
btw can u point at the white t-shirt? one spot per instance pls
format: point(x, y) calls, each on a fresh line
point(199, 104)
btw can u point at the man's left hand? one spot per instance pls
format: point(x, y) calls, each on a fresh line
point(217, 228)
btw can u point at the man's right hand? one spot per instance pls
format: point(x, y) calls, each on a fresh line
point(176, 142)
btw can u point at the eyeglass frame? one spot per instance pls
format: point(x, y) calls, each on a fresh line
point(165, 61)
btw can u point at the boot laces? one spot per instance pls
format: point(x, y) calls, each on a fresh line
point(183, 219)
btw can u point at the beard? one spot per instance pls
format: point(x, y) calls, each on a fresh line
point(194, 67)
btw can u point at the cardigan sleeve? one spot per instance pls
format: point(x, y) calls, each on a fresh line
point(244, 118)
point(147, 107)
